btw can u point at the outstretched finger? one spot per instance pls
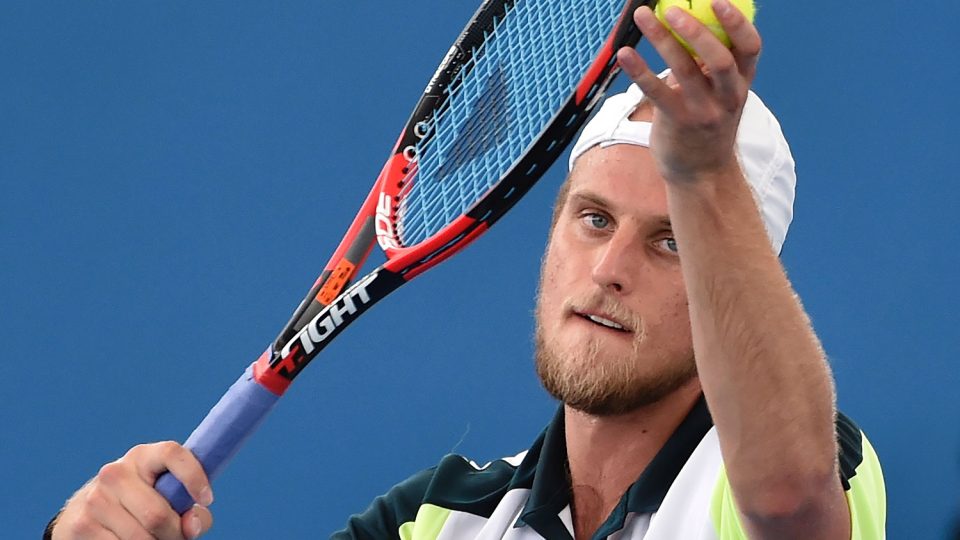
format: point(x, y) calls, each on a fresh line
point(717, 60)
point(654, 88)
point(744, 37)
point(688, 74)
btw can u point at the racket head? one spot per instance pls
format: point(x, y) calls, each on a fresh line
point(511, 93)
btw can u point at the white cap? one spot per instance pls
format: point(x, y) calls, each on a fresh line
point(761, 148)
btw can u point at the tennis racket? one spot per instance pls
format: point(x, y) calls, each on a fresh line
point(512, 91)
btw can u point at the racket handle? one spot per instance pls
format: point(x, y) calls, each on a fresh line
point(218, 437)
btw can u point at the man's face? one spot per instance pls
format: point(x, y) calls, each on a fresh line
point(613, 329)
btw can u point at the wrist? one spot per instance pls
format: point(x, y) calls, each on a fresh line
point(703, 176)
point(718, 205)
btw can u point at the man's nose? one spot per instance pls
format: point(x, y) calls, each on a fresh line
point(617, 264)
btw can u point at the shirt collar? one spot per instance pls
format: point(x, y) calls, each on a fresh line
point(544, 471)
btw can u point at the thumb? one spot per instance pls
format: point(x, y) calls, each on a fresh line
point(196, 521)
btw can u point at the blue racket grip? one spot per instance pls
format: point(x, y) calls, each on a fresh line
point(218, 437)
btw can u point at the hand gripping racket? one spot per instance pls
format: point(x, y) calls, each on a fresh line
point(507, 98)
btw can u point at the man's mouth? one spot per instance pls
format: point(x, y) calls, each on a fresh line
point(604, 322)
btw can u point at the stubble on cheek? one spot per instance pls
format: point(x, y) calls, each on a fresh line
point(588, 378)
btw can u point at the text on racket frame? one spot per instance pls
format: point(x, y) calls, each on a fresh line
point(384, 228)
point(321, 327)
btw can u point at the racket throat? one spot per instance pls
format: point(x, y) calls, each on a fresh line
point(307, 343)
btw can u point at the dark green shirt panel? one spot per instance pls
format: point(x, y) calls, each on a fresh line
point(455, 484)
point(382, 519)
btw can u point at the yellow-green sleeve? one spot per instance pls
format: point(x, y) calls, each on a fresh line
point(864, 490)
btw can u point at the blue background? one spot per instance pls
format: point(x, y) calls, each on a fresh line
point(173, 175)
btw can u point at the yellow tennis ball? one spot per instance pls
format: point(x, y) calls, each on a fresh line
point(703, 11)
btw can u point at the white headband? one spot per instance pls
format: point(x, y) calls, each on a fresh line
point(761, 148)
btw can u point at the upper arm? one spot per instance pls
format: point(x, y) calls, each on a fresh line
point(860, 478)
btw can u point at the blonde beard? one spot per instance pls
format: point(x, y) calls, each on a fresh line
point(610, 386)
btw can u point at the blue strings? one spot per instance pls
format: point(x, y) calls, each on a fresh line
point(498, 105)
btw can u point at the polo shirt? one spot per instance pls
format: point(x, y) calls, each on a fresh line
point(682, 494)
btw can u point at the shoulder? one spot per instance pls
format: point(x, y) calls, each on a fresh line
point(428, 497)
point(860, 475)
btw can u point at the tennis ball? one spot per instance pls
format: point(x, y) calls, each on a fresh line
point(703, 11)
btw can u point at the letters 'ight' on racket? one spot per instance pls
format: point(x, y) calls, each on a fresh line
point(506, 100)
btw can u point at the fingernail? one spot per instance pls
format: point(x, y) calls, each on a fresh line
point(206, 496)
point(194, 526)
point(644, 21)
point(721, 7)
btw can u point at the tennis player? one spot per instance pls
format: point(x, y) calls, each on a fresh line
point(696, 400)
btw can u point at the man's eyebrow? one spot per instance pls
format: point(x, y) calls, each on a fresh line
point(590, 197)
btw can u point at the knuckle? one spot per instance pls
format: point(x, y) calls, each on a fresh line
point(161, 450)
point(135, 451)
point(96, 499)
point(726, 64)
point(735, 20)
point(82, 525)
point(154, 518)
point(169, 450)
point(750, 49)
point(749, 44)
point(693, 32)
point(110, 473)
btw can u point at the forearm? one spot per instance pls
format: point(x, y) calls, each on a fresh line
point(762, 368)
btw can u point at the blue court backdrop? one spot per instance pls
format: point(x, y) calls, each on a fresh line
point(173, 175)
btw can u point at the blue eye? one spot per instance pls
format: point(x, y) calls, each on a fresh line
point(671, 244)
point(597, 221)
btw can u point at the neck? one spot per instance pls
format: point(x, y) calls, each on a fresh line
point(607, 454)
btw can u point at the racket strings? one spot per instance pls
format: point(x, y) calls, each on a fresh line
point(498, 104)
point(488, 113)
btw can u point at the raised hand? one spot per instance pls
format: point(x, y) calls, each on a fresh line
point(697, 112)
